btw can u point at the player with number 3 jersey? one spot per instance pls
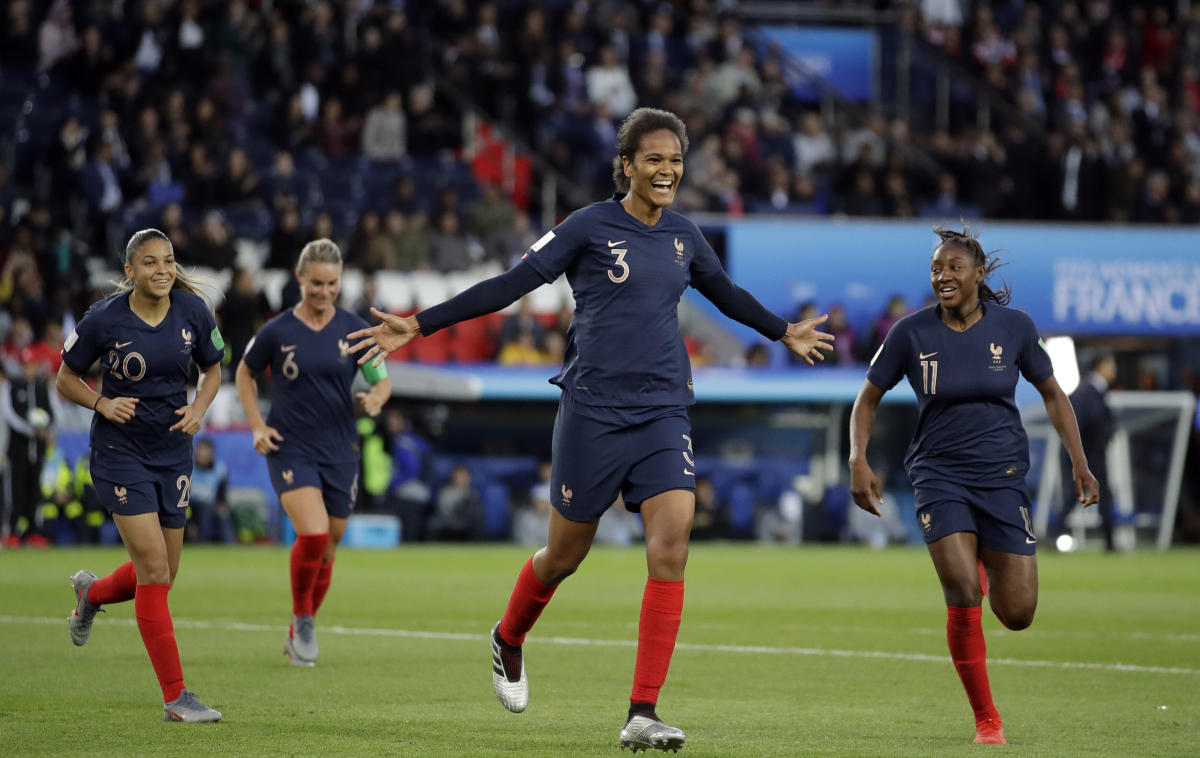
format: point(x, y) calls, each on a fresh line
point(146, 337)
point(309, 438)
point(622, 429)
point(969, 454)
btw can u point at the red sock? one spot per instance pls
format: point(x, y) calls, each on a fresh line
point(662, 609)
point(117, 587)
point(968, 650)
point(158, 635)
point(321, 586)
point(305, 564)
point(528, 598)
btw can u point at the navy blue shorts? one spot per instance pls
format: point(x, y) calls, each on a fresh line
point(133, 489)
point(338, 482)
point(593, 461)
point(1001, 517)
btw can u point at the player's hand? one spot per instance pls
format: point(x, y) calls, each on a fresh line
point(265, 439)
point(864, 487)
point(804, 340)
point(192, 421)
point(387, 337)
point(1087, 487)
point(372, 404)
point(117, 409)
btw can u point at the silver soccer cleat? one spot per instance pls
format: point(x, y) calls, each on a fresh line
point(188, 708)
point(84, 613)
point(645, 733)
point(304, 639)
point(289, 649)
point(513, 692)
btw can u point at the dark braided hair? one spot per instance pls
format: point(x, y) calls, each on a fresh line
point(629, 138)
point(968, 242)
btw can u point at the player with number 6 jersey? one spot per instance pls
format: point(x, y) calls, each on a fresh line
point(310, 438)
point(969, 454)
point(622, 431)
point(146, 337)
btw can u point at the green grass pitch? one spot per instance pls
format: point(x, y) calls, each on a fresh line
point(817, 651)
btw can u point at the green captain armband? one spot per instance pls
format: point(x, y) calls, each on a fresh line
point(374, 373)
point(217, 340)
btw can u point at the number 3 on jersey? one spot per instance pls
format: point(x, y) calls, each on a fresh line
point(621, 264)
point(929, 377)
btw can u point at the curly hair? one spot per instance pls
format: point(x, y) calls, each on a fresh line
point(629, 138)
point(968, 241)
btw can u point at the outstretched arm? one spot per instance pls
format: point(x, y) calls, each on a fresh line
point(864, 486)
point(488, 296)
point(1062, 415)
point(803, 339)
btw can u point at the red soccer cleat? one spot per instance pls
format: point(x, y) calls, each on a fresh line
point(989, 732)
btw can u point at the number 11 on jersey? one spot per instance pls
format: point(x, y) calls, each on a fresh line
point(929, 377)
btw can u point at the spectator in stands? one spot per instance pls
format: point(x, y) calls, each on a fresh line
point(238, 185)
point(845, 341)
point(897, 308)
point(410, 240)
point(337, 132)
point(450, 248)
point(210, 519)
point(813, 146)
point(19, 48)
point(508, 245)
point(212, 243)
point(490, 217)
point(383, 137)
point(712, 516)
point(458, 510)
point(409, 495)
point(244, 310)
point(370, 246)
point(104, 195)
point(608, 82)
point(286, 239)
point(56, 37)
point(523, 322)
point(531, 524)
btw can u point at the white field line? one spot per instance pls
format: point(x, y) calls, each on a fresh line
point(237, 626)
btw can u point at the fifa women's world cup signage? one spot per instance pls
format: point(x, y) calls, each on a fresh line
point(1072, 279)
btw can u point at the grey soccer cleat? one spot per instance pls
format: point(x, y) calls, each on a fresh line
point(646, 733)
point(304, 637)
point(188, 708)
point(508, 673)
point(289, 649)
point(84, 613)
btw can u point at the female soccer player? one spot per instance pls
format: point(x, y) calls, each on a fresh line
point(310, 438)
point(146, 335)
point(969, 454)
point(622, 427)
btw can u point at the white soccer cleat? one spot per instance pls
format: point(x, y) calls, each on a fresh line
point(646, 733)
point(84, 613)
point(304, 637)
point(289, 650)
point(512, 689)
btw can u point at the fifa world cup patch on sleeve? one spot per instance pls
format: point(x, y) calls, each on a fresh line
point(71, 340)
point(217, 340)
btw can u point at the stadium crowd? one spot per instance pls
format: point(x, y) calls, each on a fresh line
point(283, 121)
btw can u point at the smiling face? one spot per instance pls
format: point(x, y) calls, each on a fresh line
point(152, 269)
point(955, 277)
point(656, 169)
point(319, 285)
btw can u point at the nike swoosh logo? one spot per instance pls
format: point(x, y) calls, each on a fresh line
point(928, 355)
point(689, 473)
point(287, 348)
point(614, 244)
point(1029, 541)
point(124, 344)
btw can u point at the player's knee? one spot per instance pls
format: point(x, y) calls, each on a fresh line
point(156, 572)
point(962, 595)
point(1016, 619)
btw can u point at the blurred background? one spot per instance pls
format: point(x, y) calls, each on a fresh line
point(435, 140)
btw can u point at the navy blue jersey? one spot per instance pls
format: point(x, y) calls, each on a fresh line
point(150, 363)
point(968, 428)
point(311, 374)
point(624, 346)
